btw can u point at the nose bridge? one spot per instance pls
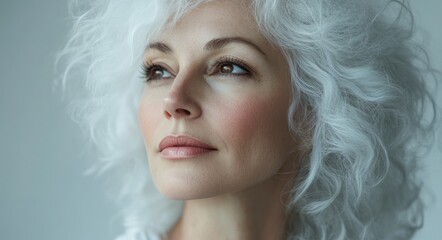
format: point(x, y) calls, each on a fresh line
point(183, 87)
point(181, 101)
point(177, 90)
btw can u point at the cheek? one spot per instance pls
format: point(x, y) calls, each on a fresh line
point(149, 116)
point(240, 119)
point(255, 123)
point(257, 138)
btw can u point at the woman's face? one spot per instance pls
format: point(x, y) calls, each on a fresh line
point(216, 79)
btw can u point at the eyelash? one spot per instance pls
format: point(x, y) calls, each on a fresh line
point(148, 67)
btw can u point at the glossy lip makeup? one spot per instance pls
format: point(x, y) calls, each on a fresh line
point(182, 147)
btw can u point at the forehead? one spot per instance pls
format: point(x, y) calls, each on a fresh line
point(215, 19)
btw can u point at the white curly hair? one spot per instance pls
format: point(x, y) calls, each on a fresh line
point(360, 87)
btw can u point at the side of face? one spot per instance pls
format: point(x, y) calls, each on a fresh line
point(215, 78)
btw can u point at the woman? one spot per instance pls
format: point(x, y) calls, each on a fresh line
point(254, 119)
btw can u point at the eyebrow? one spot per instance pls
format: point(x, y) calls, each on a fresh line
point(218, 43)
point(213, 44)
point(162, 47)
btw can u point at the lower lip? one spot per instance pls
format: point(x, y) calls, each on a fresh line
point(184, 152)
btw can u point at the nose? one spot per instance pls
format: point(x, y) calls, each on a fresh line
point(180, 103)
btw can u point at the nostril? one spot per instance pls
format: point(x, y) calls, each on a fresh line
point(182, 111)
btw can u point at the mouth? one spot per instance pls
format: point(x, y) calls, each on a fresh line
point(180, 147)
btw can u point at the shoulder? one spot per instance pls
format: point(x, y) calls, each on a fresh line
point(138, 234)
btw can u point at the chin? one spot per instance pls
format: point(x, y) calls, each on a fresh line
point(189, 188)
point(186, 192)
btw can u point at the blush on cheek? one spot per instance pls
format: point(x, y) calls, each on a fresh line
point(256, 125)
point(243, 119)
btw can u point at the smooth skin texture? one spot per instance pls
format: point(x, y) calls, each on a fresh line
point(216, 78)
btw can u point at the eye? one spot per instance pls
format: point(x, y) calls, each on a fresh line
point(155, 72)
point(230, 68)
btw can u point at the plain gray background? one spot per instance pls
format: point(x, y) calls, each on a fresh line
point(44, 194)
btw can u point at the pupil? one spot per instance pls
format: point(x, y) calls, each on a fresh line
point(227, 69)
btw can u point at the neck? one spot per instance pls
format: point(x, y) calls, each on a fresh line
point(255, 213)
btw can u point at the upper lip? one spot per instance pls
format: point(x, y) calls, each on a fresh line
point(182, 141)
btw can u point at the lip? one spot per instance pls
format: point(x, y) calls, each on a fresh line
point(179, 147)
